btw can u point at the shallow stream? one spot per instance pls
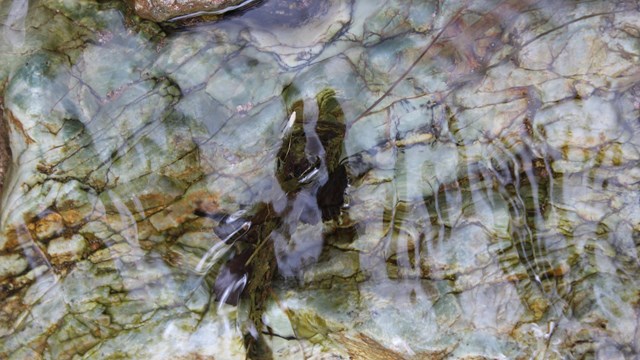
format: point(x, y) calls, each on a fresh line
point(340, 179)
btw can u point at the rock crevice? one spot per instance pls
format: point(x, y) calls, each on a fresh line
point(5, 151)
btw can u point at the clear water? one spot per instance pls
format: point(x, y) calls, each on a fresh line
point(337, 179)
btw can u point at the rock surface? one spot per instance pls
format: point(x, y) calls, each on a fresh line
point(163, 10)
point(492, 152)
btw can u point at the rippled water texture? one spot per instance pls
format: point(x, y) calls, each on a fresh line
point(337, 179)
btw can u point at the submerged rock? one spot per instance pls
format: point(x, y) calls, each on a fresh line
point(483, 200)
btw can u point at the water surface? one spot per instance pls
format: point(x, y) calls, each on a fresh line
point(340, 179)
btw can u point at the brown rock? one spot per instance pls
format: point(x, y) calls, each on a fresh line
point(163, 10)
point(48, 225)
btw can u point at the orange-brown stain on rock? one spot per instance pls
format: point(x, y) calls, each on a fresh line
point(49, 225)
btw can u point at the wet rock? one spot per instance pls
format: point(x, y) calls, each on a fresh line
point(163, 10)
point(63, 250)
point(12, 265)
point(488, 202)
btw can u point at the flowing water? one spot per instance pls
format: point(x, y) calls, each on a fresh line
point(340, 179)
